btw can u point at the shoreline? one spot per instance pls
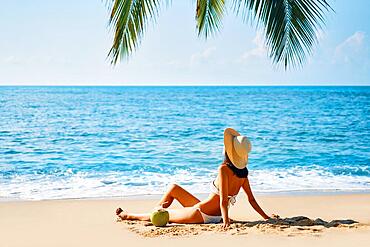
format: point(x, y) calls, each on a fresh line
point(147, 197)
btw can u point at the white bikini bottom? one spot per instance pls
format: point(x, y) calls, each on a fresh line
point(207, 219)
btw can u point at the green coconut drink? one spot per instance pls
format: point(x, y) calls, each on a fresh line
point(160, 217)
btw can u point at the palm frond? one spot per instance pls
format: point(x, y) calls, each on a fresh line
point(209, 15)
point(129, 19)
point(290, 26)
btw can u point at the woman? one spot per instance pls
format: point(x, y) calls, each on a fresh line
point(232, 175)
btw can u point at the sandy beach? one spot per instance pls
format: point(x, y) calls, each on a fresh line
point(93, 223)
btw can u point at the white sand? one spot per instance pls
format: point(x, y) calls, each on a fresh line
point(92, 223)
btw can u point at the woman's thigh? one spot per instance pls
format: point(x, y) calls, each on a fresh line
point(185, 215)
point(185, 198)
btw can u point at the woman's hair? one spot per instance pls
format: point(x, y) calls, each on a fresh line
point(240, 173)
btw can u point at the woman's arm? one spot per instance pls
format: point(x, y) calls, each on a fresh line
point(252, 200)
point(224, 199)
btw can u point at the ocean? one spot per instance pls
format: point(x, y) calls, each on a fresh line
point(101, 142)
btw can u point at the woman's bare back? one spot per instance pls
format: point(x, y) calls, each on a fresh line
point(211, 205)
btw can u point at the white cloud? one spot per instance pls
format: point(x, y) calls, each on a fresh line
point(259, 51)
point(10, 60)
point(350, 48)
point(202, 57)
point(320, 34)
point(32, 60)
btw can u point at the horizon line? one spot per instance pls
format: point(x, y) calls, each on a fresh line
point(185, 85)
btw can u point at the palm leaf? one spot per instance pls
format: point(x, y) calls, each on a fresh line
point(290, 26)
point(129, 19)
point(209, 14)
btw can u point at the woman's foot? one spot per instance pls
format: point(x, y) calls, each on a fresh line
point(121, 214)
point(118, 211)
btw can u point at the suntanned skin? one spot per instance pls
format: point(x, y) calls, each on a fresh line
point(227, 182)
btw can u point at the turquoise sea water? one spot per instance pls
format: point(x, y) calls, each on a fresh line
point(76, 142)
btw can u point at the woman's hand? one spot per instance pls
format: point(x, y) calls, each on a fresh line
point(226, 224)
point(273, 216)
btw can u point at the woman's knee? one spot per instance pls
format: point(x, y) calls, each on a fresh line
point(174, 187)
point(175, 190)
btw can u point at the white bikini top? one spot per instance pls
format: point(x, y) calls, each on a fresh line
point(214, 189)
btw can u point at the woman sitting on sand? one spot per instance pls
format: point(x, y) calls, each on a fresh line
point(232, 175)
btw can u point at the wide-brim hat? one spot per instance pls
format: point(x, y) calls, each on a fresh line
point(237, 147)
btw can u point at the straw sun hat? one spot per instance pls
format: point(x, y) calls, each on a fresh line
point(237, 147)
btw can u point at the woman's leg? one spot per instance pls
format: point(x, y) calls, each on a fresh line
point(187, 215)
point(185, 198)
point(179, 215)
point(129, 216)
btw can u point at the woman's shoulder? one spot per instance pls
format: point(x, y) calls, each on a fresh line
point(223, 168)
point(229, 171)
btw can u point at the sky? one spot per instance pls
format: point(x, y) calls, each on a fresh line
point(66, 43)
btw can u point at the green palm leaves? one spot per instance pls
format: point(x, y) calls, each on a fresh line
point(130, 18)
point(209, 15)
point(290, 26)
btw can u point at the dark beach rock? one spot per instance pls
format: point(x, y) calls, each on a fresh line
point(299, 221)
point(320, 222)
point(335, 223)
